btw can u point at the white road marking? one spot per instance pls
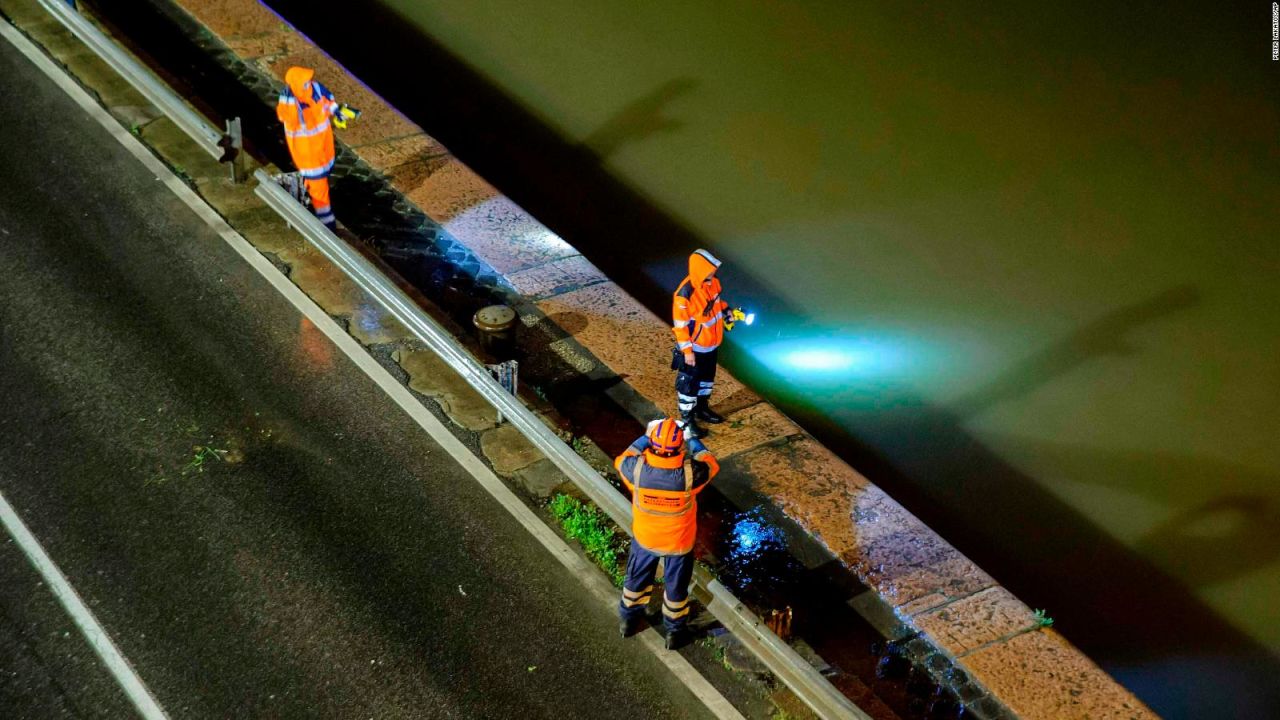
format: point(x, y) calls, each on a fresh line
point(597, 586)
point(89, 626)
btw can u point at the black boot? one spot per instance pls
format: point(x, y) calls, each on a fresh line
point(691, 429)
point(628, 626)
point(676, 639)
point(703, 412)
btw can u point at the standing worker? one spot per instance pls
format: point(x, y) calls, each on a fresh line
point(664, 522)
point(698, 317)
point(306, 108)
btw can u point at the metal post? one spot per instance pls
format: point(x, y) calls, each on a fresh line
point(508, 376)
point(235, 151)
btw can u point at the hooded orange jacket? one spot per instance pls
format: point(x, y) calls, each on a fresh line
point(305, 107)
point(697, 312)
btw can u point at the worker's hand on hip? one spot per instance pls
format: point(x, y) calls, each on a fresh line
point(689, 359)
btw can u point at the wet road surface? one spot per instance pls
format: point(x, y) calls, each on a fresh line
point(258, 528)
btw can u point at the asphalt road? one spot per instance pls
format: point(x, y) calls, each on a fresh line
point(335, 563)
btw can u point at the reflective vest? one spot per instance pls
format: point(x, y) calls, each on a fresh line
point(697, 312)
point(305, 109)
point(664, 505)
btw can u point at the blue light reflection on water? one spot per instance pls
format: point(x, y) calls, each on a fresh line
point(755, 553)
point(823, 359)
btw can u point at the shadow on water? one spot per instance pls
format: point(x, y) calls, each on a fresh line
point(642, 118)
point(1151, 632)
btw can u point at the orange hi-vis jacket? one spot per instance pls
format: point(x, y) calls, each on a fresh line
point(664, 503)
point(306, 107)
point(697, 312)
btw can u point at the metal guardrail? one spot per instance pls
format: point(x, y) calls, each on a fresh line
point(155, 90)
point(805, 681)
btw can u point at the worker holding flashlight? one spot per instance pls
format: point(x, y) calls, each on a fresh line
point(700, 318)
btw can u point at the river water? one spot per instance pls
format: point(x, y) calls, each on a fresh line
point(1017, 263)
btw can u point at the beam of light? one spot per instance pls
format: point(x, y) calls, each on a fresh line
point(823, 359)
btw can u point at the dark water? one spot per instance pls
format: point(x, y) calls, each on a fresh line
point(1016, 264)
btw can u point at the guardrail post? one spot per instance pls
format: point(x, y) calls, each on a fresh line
point(233, 144)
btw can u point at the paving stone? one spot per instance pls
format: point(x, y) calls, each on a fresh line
point(737, 657)
point(267, 46)
point(330, 288)
point(135, 116)
point(508, 450)
point(386, 155)
point(556, 277)
point(225, 196)
point(977, 620)
point(622, 334)
point(790, 705)
point(1038, 675)
point(433, 377)
point(541, 478)
point(748, 428)
point(267, 232)
point(177, 149)
point(233, 18)
point(450, 191)
point(504, 236)
point(25, 13)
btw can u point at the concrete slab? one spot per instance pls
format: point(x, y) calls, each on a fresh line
point(451, 190)
point(266, 47)
point(982, 618)
point(234, 18)
point(264, 229)
point(898, 556)
point(333, 291)
point(504, 236)
point(432, 376)
point(407, 162)
point(749, 428)
point(508, 450)
point(541, 478)
point(26, 14)
point(1039, 676)
point(623, 334)
point(556, 277)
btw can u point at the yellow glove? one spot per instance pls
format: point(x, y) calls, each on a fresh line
point(345, 113)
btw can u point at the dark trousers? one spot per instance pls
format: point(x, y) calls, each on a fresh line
point(642, 566)
point(694, 383)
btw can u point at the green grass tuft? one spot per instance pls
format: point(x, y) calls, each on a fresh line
point(600, 538)
point(1042, 619)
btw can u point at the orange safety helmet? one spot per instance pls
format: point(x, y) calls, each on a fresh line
point(666, 437)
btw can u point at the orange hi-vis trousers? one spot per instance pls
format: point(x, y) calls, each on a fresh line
point(318, 189)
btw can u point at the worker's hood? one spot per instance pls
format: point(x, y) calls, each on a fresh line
point(297, 78)
point(701, 265)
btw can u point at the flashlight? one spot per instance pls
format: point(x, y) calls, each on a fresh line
point(735, 316)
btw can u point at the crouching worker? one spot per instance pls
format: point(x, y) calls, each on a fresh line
point(664, 522)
